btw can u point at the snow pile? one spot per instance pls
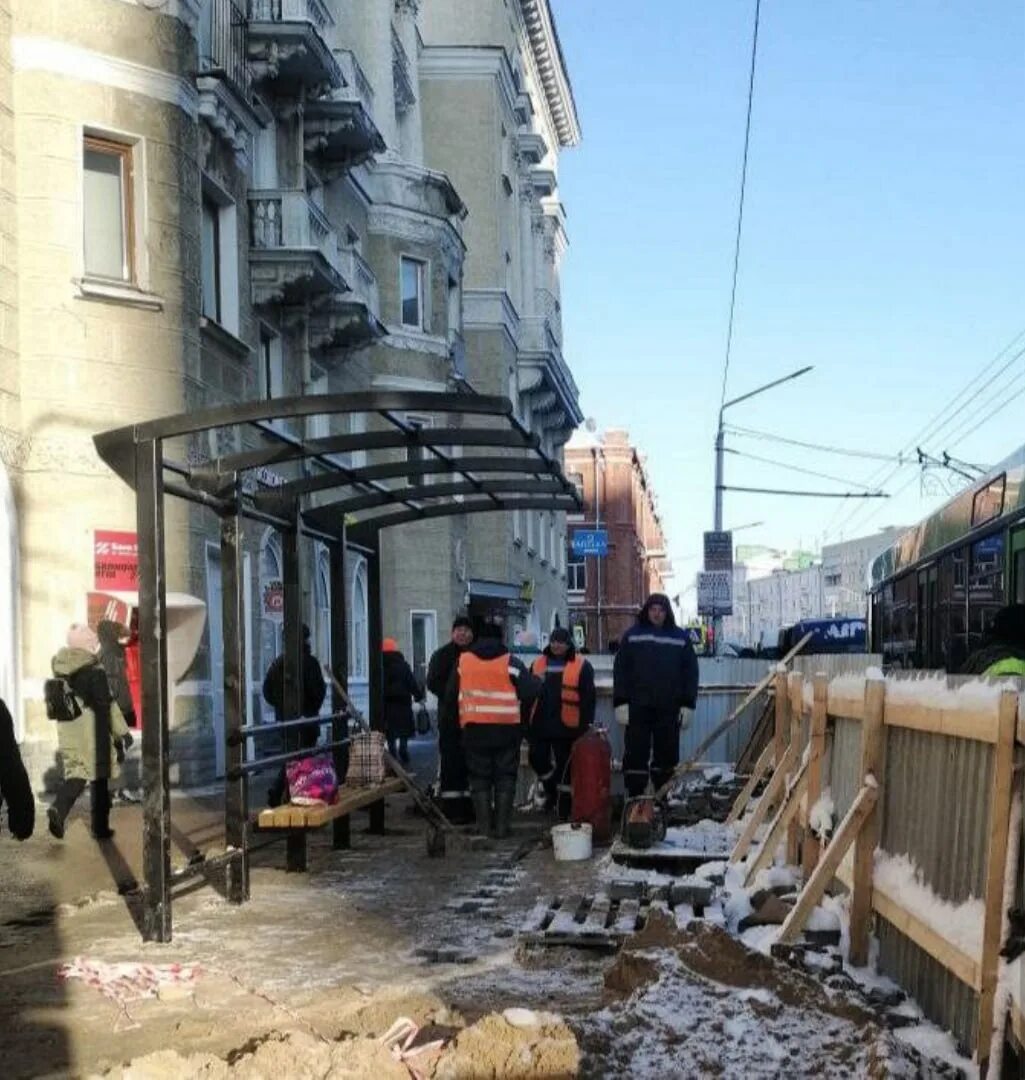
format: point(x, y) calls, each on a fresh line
point(821, 815)
point(935, 692)
point(847, 686)
point(961, 924)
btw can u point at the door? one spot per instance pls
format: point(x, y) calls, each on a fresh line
point(425, 641)
point(1017, 564)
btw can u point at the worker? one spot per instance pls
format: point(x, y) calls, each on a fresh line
point(1003, 649)
point(655, 675)
point(486, 691)
point(563, 712)
point(453, 785)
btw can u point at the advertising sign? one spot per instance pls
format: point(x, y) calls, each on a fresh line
point(591, 542)
point(715, 592)
point(274, 599)
point(115, 561)
point(718, 551)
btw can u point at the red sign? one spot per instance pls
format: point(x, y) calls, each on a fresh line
point(116, 561)
point(274, 599)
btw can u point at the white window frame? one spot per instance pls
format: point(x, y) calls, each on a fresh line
point(423, 280)
point(430, 639)
point(574, 584)
point(322, 610)
point(359, 648)
point(226, 255)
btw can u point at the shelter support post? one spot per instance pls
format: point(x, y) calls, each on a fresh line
point(375, 630)
point(156, 822)
point(295, 857)
point(340, 666)
point(236, 785)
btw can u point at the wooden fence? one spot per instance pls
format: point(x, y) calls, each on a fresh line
point(921, 768)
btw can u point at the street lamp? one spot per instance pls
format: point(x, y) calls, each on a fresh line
point(719, 454)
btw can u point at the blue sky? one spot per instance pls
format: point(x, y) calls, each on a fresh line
point(883, 240)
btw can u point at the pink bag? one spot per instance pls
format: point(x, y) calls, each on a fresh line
point(312, 780)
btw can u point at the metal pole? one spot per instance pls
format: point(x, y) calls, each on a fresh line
point(719, 465)
point(156, 811)
point(233, 624)
point(597, 525)
point(340, 666)
point(295, 843)
point(375, 635)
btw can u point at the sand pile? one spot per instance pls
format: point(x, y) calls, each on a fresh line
point(518, 1043)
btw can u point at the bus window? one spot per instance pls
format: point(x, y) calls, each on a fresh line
point(905, 619)
point(952, 610)
point(985, 587)
point(1018, 566)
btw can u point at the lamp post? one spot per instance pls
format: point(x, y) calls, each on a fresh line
point(719, 455)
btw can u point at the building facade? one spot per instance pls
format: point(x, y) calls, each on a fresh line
point(605, 594)
point(208, 201)
point(845, 572)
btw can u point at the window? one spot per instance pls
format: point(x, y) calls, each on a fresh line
point(272, 370)
point(210, 250)
point(322, 610)
point(985, 587)
point(107, 210)
point(424, 626)
point(833, 579)
point(988, 502)
point(417, 453)
point(542, 536)
point(412, 292)
point(272, 595)
point(517, 527)
point(553, 540)
point(576, 571)
point(530, 530)
point(359, 666)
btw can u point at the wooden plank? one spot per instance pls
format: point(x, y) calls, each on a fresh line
point(996, 864)
point(780, 824)
point(796, 722)
point(761, 811)
point(740, 805)
point(847, 708)
point(1017, 1025)
point(598, 916)
point(825, 871)
point(290, 816)
point(565, 923)
point(782, 717)
point(626, 919)
point(811, 847)
point(979, 724)
point(868, 835)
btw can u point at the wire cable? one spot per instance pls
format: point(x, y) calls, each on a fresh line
point(799, 469)
point(864, 454)
point(740, 209)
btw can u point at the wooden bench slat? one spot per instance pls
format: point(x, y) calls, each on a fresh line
point(289, 816)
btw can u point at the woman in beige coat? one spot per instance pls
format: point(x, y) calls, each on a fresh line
point(90, 744)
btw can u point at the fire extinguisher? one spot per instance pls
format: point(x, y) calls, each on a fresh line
point(591, 782)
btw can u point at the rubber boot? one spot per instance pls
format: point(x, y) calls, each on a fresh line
point(482, 811)
point(504, 800)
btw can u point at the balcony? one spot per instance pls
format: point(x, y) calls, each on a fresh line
point(224, 80)
point(288, 46)
point(533, 147)
point(293, 253)
point(339, 130)
point(351, 319)
point(545, 377)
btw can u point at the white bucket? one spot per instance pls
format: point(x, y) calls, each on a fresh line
point(571, 842)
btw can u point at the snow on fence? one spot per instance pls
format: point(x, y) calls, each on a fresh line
point(920, 774)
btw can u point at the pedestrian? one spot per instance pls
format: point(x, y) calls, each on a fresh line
point(113, 638)
point(92, 735)
point(486, 691)
point(400, 689)
point(15, 789)
point(563, 712)
point(655, 675)
point(1003, 649)
point(453, 784)
point(305, 736)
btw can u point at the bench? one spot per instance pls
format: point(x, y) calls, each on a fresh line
point(297, 821)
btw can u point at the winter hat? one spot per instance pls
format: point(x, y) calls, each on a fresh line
point(84, 637)
point(560, 633)
point(461, 620)
point(389, 645)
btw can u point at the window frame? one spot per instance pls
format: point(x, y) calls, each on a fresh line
point(125, 152)
point(209, 205)
point(576, 582)
point(998, 482)
point(422, 277)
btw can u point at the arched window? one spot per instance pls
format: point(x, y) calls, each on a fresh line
point(9, 601)
point(322, 605)
point(272, 598)
point(359, 665)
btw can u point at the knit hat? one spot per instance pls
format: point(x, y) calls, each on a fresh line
point(84, 637)
point(462, 620)
point(389, 645)
point(560, 633)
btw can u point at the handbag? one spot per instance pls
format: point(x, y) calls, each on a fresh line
point(366, 759)
point(423, 721)
point(312, 781)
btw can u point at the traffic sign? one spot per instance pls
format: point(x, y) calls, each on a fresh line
point(591, 542)
point(715, 592)
point(718, 551)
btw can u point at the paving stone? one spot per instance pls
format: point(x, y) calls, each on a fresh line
point(626, 890)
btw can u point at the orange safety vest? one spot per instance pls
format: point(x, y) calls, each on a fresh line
point(487, 693)
point(570, 687)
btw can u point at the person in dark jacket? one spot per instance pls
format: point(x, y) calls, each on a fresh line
point(453, 784)
point(654, 676)
point(564, 711)
point(112, 635)
point(15, 789)
point(486, 691)
point(314, 691)
point(1003, 652)
point(400, 689)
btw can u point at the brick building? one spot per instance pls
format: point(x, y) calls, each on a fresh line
point(605, 593)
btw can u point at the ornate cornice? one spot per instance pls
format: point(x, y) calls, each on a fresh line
point(551, 67)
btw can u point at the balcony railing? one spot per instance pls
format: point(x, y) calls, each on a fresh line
point(311, 11)
point(357, 85)
point(290, 220)
point(361, 279)
point(222, 43)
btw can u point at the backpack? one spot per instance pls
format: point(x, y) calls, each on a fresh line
point(61, 703)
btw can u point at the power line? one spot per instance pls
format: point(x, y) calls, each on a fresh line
point(998, 409)
point(810, 494)
point(797, 469)
point(740, 209)
point(865, 454)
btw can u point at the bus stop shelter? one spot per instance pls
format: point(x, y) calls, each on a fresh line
point(482, 460)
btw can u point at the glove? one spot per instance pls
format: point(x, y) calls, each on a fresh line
point(127, 740)
point(623, 714)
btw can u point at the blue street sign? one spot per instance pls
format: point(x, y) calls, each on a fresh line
point(591, 542)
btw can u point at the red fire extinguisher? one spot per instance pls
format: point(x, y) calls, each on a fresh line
point(591, 781)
